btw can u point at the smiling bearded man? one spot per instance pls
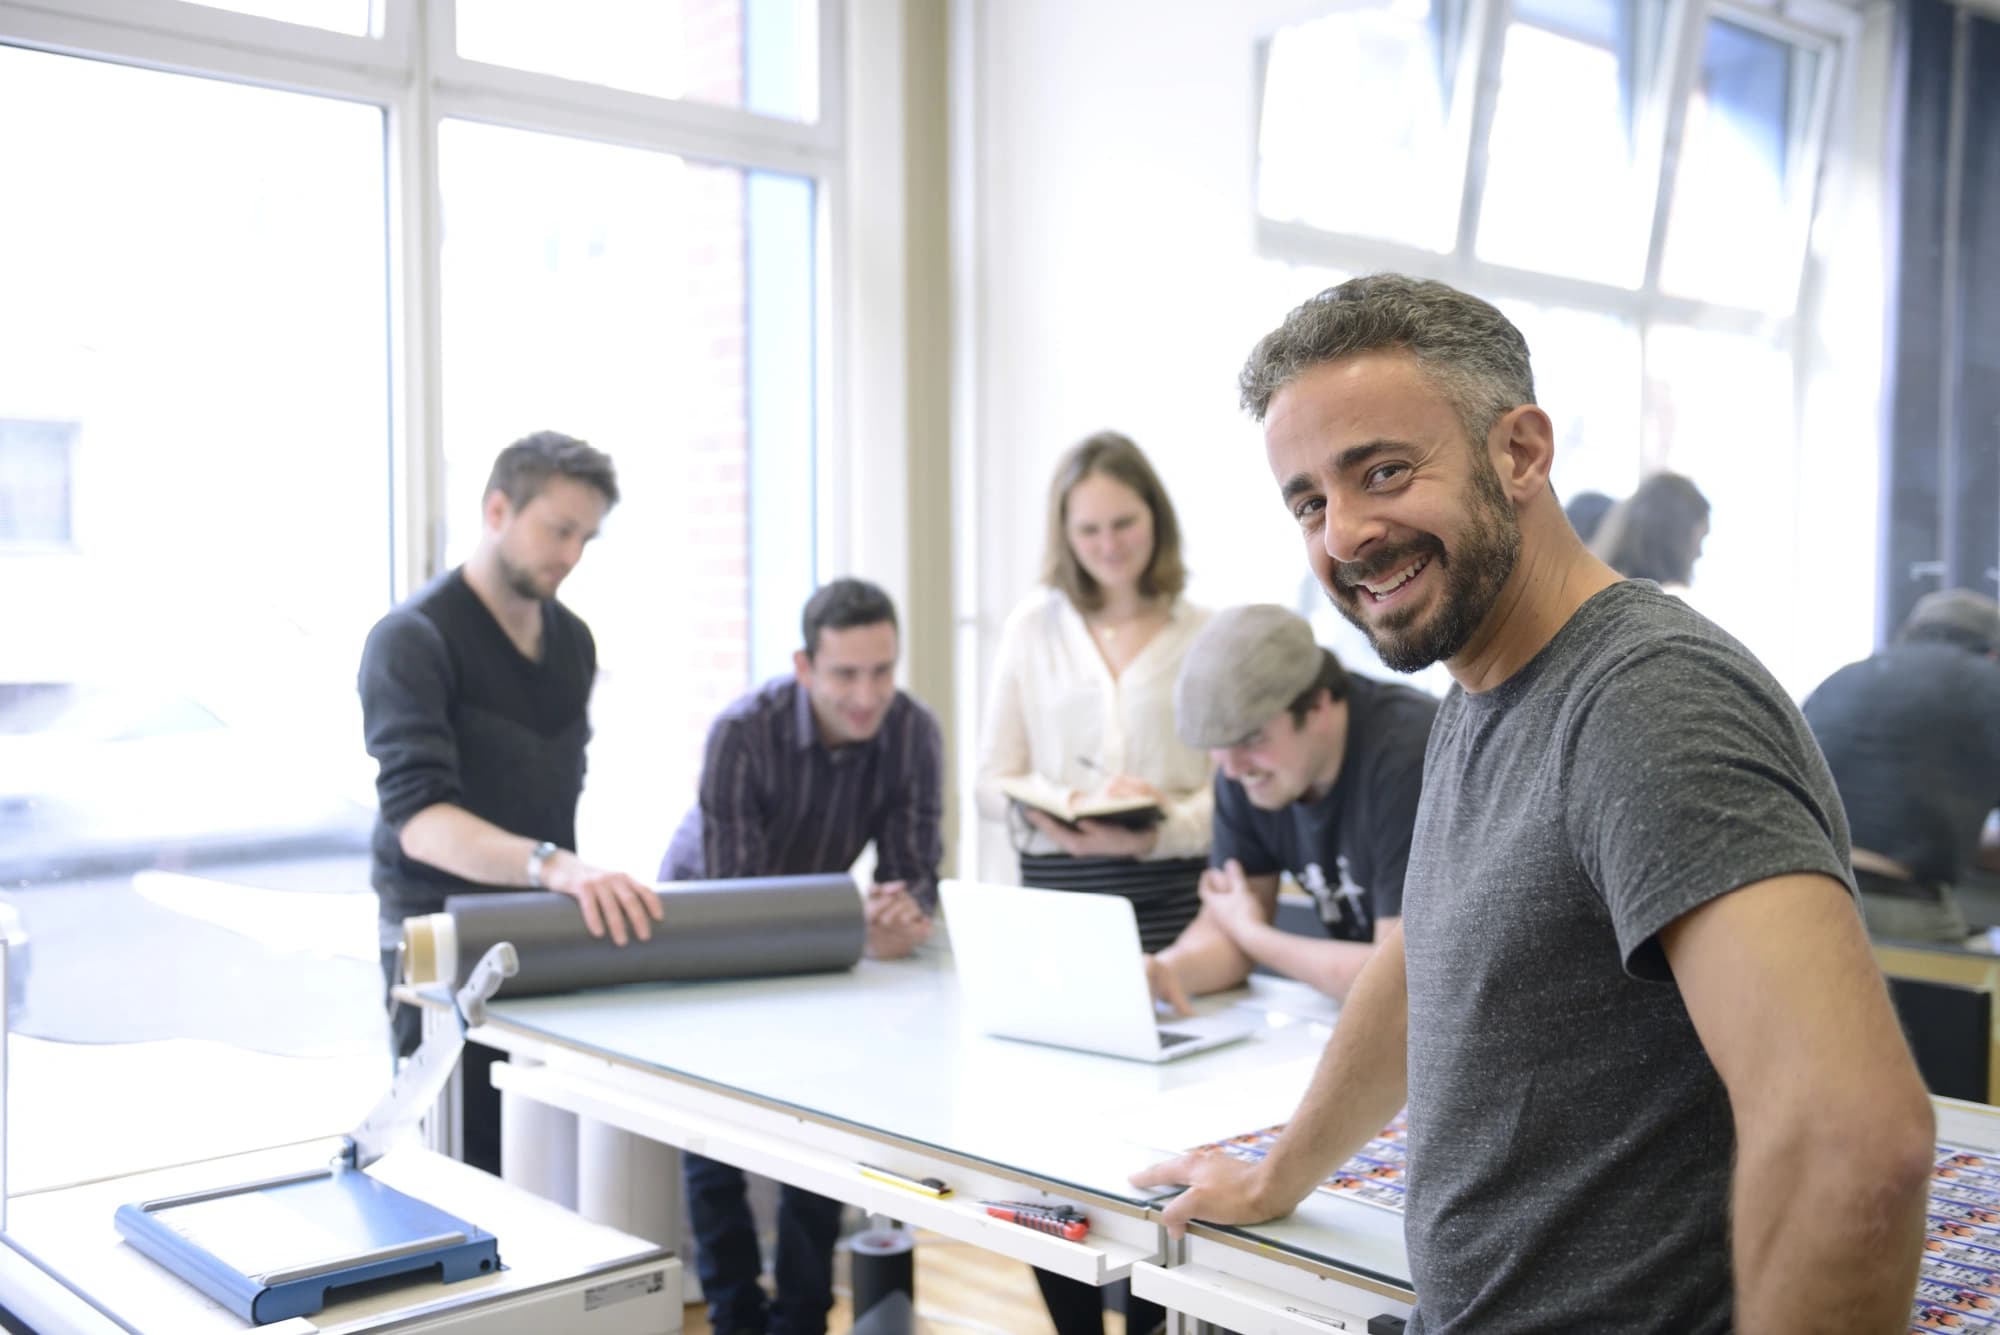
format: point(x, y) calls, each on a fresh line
point(1654, 1081)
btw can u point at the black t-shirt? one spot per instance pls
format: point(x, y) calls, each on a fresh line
point(1349, 849)
point(454, 713)
point(1913, 738)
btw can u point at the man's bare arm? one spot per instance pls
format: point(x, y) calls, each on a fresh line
point(1330, 966)
point(1834, 1131)
point(452, 839)
point(1362, 1080)
point(1204, 958)
point(1243, 907)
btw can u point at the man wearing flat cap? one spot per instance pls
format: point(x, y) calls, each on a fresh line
point(1912, 736)
point(1317, 777)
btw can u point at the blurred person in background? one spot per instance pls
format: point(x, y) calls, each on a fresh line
point(1083, 698)
point(1317, 778)
point(799, 775)
point(1586, 511)
point(1912, 735)
point(1655, 533)
point(1083, 694)
point(475, 700)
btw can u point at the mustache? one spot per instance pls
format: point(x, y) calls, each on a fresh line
point(1350, 574)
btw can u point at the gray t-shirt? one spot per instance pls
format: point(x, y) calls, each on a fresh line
point(1570, 1142)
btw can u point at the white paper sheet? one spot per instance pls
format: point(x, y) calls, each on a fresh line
point(1180, 1119)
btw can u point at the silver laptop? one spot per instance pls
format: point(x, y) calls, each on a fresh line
point(1057, 967)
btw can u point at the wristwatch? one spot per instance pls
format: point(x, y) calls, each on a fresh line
point(537, 859)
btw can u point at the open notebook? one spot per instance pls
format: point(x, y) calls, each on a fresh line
point(1034, 791)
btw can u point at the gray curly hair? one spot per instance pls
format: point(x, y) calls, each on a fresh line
point(1473, 352)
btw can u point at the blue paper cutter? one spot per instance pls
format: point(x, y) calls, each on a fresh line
point(274, 1249)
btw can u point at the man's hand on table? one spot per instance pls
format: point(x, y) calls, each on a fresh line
point(896, 923)
point(609, 899)
point(1220, 1190)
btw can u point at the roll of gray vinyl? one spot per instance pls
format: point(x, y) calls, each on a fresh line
point(750, 928)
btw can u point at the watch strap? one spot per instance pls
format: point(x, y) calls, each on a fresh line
point(538, 858)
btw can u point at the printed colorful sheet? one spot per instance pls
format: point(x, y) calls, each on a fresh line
point(1374, 1176)
point(1959, 1285)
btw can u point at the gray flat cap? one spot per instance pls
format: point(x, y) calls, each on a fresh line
point(1244, 667)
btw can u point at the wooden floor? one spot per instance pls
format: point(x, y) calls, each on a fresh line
point(960, 1287)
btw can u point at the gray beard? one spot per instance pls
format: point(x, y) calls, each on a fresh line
point(1486, 556)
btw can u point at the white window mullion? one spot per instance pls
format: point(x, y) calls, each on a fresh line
point(1681, 70)
point(192, 39)
point(830, 129)
point(539, 102)
point(415, 240)
point(528, 100)
point(1479, 78)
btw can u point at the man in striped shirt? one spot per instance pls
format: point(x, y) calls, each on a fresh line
point(799, 776)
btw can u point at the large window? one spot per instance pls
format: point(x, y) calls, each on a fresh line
point(1736, 228)
point(277, 282)
point(194, 376)
point(1389, 68)
point(1574, 77)
point(605, 291)
point(1634, 183)
point(196, 313)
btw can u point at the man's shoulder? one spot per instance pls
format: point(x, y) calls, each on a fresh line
point(1635, 634)
point(429, 610)
point(775, 698)
point(1932, 687)
point(754, 724)
point(412, 626)
point(1922, 666)
point(438, 595)
point(1392, 722)
point(1391, 699)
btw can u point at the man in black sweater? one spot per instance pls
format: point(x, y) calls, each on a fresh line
point(474, 701)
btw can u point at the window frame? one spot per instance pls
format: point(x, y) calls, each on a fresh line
point(410, 69)
point(1827, 27)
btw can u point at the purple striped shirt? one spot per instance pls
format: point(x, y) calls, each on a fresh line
point(777, 801)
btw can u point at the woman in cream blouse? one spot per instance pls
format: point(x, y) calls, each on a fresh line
point(1083, 694)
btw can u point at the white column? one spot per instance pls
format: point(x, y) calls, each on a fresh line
point(538, 1146)
point(629, 1182)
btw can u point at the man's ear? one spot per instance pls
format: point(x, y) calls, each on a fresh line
point(802, 667)
point(1522, 446)
point(497, 509)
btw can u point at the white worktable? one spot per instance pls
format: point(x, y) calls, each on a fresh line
point(805, 1078)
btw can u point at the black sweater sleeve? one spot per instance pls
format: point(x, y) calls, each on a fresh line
point(407, 686)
